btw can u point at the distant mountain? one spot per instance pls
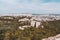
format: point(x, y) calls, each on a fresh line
point(55, 14)
point(47, 14)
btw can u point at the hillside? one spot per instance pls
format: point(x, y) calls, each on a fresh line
point(51, 28)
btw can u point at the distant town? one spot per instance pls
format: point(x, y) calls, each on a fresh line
point(27, 19)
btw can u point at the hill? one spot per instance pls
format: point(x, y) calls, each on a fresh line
point(51, 28)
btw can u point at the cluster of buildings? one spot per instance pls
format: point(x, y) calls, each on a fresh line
point(32, 23)
point(46, 17)
point(24, 21)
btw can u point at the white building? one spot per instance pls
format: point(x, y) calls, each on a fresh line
point(21, 28)
point(32, 23)
point(38, 24)
point(26, 26)
point(35, 23)
point(24, 19)
point(7, 17)
point(44, 39)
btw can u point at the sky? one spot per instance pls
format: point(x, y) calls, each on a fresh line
point(30, 6)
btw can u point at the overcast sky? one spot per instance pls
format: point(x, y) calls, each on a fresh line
point(30, 6)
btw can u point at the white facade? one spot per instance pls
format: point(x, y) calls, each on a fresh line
point(24, 19)
point(21, 28)
point(42, 26)
point(7, 17)
point(44, 39)
point(37, 24)
point(25, 26)
point(32, 23)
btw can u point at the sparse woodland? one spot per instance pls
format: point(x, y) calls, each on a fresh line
point(51, 28)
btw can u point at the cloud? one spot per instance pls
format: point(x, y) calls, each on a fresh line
point(30, 6)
